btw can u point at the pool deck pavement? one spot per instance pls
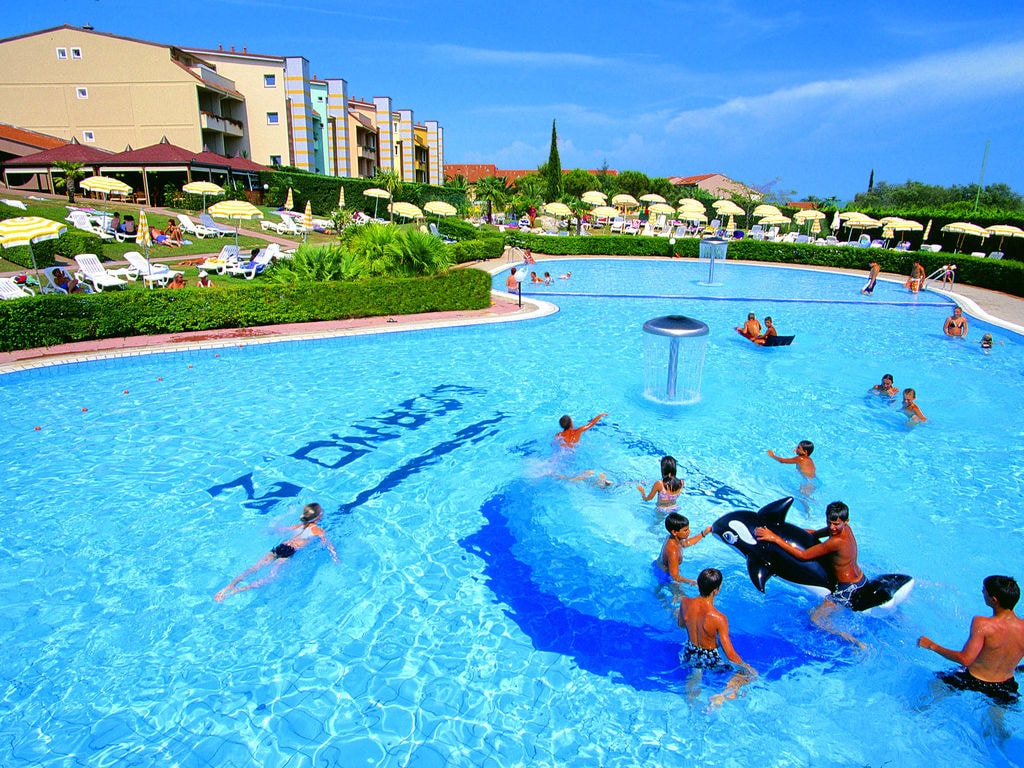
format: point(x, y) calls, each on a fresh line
point(998, 308)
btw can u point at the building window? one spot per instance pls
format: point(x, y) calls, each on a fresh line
point(275, 159)
point(62, 53)
point(270, 81)
point(82, 93)
point(272, 118)
point(76, 53)
point(88, 136)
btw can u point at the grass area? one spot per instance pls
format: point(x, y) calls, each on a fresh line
point(114, 251)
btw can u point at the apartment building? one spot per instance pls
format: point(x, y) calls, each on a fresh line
point(116, 91)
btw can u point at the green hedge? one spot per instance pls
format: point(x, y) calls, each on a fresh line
point(998, 275)
point(323, 192)
point(488, 246)
point(49, 320)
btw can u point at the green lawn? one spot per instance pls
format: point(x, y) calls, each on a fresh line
point(113, 251)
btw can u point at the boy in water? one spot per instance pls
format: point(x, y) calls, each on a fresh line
point(803, 459)
point(275, 558)
point(887, 387)
point(911, 408)
point(706, 627)
point(671, 556)
point(993, 649)
point(570, 435)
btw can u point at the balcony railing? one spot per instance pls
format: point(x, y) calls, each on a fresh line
point(211, 122)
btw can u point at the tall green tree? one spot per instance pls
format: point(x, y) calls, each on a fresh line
point(577, 181)
point(553, 171)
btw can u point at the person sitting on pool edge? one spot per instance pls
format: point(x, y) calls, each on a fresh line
point(769, 330)
point(570, 435)
point(308, 529)
point(886, 387)
point(666, 567)
point(993, 649)
point(838, 555)
point(707, 627)
point(751, 329)
point(956, 324)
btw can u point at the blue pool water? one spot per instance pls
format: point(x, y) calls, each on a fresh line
point(486, 612)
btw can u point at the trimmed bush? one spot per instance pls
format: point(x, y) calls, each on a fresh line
point(49, 320)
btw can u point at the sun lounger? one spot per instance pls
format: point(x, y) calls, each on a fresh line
point(80, 220)
point(189, 227)
point(996, 255)
point(11, 290)
point(250, 269)
point(207, 221)
point(434, 231)
point(228, 257)
point(14, 203)
point(48, 282)
point(90, 269)
point(151, 273)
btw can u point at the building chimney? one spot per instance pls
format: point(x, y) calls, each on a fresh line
point(220, 47)
point(244, 49)
point(232, 49)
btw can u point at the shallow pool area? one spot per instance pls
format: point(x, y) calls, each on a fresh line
point(487, 610)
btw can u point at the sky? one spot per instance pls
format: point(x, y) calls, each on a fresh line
point(796, 98)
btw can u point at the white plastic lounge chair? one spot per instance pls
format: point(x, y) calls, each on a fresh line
point(290, 226)
point(648, 229)
point(228, 257)
point(617, 224)
point(150, 272)
point(437, 233)
point(48, 282)
point(11, 290)
point(80, 220)
point(933, 247)
point(250, 269)
point(207, 221)
point(189, 227)
point(90, 269)
point(757, 232)
point(996, 255)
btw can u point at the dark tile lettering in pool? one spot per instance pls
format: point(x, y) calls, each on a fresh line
point(340, 450)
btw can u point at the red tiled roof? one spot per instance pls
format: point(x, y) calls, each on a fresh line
point(244, 164)
point(30, 138)
point(163, 153)
point(686, 181)
point(73, 153)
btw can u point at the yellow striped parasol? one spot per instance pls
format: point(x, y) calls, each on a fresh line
point(143, 236)
point(594, 197)
point(289, 202)
point(307, 219)
point(106, 186)
point(25, 230)
point(203, 188)
point(237, 210)
point(341, 197)
point(406, 210)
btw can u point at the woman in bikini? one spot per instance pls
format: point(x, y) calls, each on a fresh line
point(308, 530)
point(956, 324)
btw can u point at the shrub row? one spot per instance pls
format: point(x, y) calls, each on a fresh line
point(998, 275)
point(486, 246)
point(49, 320)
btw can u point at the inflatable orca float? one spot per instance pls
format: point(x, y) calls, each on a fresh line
point(764, 560)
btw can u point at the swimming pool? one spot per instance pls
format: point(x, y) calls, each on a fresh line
point(486, 612)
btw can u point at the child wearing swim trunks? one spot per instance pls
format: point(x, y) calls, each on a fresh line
point(707, 627)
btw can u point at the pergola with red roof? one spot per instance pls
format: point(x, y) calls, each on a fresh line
point(141, 166)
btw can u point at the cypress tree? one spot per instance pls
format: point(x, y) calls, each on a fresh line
point(553, 173)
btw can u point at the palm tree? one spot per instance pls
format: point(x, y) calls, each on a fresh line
point(457, 182)
point(72, 173)
point(493, 189)
point(390, 181)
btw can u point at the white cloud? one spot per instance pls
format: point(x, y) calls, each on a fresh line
point(519, 58)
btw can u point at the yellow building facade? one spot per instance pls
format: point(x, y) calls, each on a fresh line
point(114, 91)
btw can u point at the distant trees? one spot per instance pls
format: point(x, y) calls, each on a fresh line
point(956, 198)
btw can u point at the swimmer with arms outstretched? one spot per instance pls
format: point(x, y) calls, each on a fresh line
point(994, 647)
point(570, 435)
point(308, 530)
point(803, 459)
point(671, 556)
point(707, 627)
